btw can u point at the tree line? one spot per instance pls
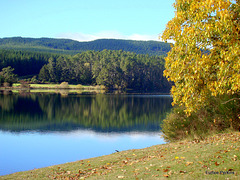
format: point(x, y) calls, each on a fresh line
point(111, 68)
point(24, 62)
point(68, 46)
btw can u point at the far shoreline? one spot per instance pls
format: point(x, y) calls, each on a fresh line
point(70, 88)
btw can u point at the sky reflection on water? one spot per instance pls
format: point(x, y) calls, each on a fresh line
point(29, 150)
point(39, 130)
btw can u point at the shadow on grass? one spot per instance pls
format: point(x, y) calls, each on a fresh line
point(221, 114)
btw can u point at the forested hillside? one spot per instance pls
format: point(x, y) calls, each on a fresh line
point(67, 46)
point(24, 62)
point(111, 68)
point(113, 63)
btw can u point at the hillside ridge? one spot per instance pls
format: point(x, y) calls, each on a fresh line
point(68, 46)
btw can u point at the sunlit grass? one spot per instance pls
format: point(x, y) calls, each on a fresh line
point(43, 85)
point(57, 86)
point(215, 157)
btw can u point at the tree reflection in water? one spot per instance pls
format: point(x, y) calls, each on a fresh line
point(100, 112)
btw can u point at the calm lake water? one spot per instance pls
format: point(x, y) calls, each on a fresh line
point(40, 129)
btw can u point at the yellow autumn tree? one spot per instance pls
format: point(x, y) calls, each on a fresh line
point(205, 58)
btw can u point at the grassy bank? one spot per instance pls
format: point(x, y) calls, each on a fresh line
point(215, 157)
point(63, 88)
point(57, 86)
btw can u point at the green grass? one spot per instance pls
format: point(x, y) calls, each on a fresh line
point(180, 160)
point(63, 91)
point(56, 86)
point(45, 86)
point(15, 85)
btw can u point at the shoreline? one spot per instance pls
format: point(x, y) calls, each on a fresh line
point(182, 159)
point(54, 88)
point(58, 88)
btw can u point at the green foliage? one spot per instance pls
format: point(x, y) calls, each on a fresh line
point(24, 62)
point(44, 74)
point(34, 80)
point(24, 85)
point(79, 86)
point(7, 76)
point(217, 117)
point(112, 69)
point(109, 68)
point(64, 85)
point(67, 46)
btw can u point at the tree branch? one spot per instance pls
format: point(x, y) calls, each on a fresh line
point(231, 100)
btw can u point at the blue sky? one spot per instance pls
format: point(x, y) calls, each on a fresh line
point(85, 20)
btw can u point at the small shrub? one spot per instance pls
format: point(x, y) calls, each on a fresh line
point(24, 86)
point(64, 85)
point(102, 87)
point(6, 84)
point(79, 86)
point(34, 80)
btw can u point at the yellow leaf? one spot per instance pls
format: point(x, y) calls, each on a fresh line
point(120, 177)
point(189, 163)
point(208, 25)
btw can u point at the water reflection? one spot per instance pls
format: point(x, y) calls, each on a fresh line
point(39, 129)
point(26, 151)
point(101, 113)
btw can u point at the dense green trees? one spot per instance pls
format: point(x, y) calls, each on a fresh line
point(24, 62)
point(113, 69)
point(7, 77)
point(67, 46)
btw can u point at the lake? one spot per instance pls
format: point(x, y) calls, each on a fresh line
point(44, 129)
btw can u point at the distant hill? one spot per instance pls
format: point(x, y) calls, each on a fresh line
point(67, 46)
